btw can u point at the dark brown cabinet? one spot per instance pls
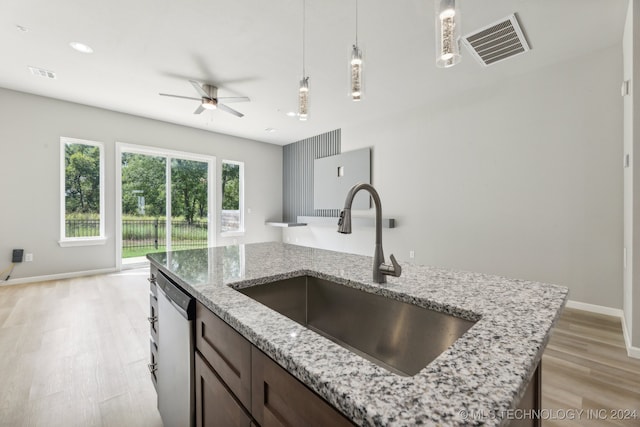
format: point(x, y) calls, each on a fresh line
point(238, 385)
point(279, 399)
point(228, 353)
point(216, 406)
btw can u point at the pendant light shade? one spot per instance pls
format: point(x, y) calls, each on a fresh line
point(447, 33)
point(303, 99)
point(355, 66)
point(356, 73)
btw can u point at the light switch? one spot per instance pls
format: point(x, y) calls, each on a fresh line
point(340, 171)
point(624, 90)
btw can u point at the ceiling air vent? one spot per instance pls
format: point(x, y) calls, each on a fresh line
point(497, 42)
point(41, 72)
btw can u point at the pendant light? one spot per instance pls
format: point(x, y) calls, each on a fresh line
point(356, 66)
point(447, 33)
point(303, 90)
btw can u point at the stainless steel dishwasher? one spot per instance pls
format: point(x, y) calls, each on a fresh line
point(176, 313)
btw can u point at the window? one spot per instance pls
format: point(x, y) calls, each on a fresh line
point(82, 192)
point(231, 216)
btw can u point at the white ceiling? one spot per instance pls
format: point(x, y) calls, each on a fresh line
point(254, 48)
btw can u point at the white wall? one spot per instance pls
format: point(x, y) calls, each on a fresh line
point(522, 179)
point(30, 131)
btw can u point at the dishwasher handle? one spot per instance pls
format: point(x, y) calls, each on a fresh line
point(179, 299)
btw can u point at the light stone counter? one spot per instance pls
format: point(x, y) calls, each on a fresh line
point(487, 369)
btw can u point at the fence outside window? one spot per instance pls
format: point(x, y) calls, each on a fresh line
point(139, 235)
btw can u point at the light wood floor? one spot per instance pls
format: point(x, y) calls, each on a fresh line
point(75, 352)
point(585, 366)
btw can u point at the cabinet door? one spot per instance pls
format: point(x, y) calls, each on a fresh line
point(215, 405)
point(279, 399)
point(226, 351)
point(531, 401)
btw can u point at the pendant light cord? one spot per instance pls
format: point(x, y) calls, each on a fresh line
point(303, 36)
point(356, 23)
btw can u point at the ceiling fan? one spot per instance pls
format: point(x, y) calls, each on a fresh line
point(209, 99)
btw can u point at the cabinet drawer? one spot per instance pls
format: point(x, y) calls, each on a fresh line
point(153, 317)
point(226, 351)
point(153, 363)
point(279, 399)
point(215, 405)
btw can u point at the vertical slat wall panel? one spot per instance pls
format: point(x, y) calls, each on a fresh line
point(297, 183)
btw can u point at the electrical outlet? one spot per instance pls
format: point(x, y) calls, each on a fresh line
point(28, 257)
point(412, 254)
point(248, 210)
point(17, 255)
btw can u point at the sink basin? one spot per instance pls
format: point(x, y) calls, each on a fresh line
point(403, 338)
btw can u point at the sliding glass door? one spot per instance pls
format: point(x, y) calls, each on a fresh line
point(166, 201)
point(189, 204)
point(144, 204)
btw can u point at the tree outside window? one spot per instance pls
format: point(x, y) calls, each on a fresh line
point(232, 193)
point(82, 192)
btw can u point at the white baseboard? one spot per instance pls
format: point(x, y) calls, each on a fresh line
point(631, 350)
point(593, 308)
point(57, 276)
point(616, 312)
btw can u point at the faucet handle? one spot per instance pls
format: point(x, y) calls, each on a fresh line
point(391, 270)
point(397, 269)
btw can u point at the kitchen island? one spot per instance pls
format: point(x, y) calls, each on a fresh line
point(476, 381)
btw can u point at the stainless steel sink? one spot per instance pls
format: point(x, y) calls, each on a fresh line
point(398, 336)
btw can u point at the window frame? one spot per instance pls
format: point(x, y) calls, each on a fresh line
point(241, 229)
point(80, 241)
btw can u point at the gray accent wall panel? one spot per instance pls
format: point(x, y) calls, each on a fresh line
point(334, 176)
point(297, 180)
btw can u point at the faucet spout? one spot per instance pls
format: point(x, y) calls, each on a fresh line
point(380, 269)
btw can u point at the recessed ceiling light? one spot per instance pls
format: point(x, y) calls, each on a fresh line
point(21, 28)
point(292, 114)
point(269, 130)
point(81, 47)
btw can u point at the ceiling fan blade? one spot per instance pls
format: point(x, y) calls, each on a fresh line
point(179, 96)
point(199, 89)
point(230, 99)
point(229, 110)
point(199, 110)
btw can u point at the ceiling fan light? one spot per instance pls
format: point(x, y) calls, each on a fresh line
point(209, 104)
point(447, 33)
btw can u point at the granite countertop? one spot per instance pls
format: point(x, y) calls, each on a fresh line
point(487, 369)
